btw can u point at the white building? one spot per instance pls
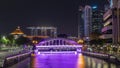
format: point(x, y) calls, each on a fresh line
point(87, 21)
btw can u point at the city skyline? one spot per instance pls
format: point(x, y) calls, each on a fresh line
point(48, 33)
point(61, 14)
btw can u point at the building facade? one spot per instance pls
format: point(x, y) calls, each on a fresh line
point(87, 22)
point(107, 27)
point(97, 19)
point(111, 29)
point(17, 33)
point(80, 23)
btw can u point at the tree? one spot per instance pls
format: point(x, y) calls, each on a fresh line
point(11, 39)
point(4, 40)
point(22, 40)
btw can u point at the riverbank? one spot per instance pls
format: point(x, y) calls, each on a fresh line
point(12, 55)
point(11, 60)
point(106, 57)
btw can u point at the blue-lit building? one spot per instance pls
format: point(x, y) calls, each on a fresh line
point(90, 21)
point(97, 20)
point(87, 22)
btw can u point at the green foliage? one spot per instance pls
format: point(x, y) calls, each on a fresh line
point(4, 40)
point(11, 39)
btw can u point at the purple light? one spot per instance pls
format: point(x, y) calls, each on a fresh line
point(55, 61)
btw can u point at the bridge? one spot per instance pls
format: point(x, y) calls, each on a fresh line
point(57, 45)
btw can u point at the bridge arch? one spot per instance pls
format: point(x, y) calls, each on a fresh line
point(58, 44)
point(57, 41)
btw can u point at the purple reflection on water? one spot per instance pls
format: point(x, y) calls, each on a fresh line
point(63, 60)
point(54, 61)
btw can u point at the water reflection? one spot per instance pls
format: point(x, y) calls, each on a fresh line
point(63, 61)
point(97, 63)
point(80, 62)
point(54, 61)
point(68, 61)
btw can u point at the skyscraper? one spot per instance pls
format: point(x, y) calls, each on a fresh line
point(87, 21)
point(97, 19)
point(80, 23)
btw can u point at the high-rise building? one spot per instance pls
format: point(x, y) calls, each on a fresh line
point(80, 23)
point(118, 19)
point(107, 27)
point(87, 21)
point(111, 29)
point(97, 19)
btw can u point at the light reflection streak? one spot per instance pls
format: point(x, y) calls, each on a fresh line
point(80, 62)
point(33, 63)
point(105, 65)
point(113, 66)
point(99, 65)
point(88, 61)
point(65, 60)
point(93, 64)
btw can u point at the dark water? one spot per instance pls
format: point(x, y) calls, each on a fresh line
point(63, 61)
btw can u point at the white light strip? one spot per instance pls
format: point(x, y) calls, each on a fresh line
point(58, 46)
point(53, 52)
point(17, 56)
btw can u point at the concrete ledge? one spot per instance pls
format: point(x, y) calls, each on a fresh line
point(106, 57)
point(9, 61)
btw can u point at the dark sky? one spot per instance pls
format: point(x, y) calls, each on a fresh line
point(59, 13)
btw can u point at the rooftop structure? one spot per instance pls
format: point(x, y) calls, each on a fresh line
point(17, 31)
point(43, 31)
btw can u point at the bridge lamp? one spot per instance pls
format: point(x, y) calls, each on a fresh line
point(38, 52)
point(75, 53)
point(80, 41)
point(34, 42)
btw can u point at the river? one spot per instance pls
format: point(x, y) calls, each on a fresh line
point(63, 60)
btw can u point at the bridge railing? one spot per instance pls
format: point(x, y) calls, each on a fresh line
point(76, 46)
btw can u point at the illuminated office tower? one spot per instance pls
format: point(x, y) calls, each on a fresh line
point(87, 21)
point(97, 19)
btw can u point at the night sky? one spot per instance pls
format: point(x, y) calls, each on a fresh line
point(59, 13)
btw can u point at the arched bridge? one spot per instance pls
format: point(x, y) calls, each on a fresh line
point(58, 44)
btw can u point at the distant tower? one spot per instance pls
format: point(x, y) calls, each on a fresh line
point(87, 21)
point(17, 33)
point(80, 23)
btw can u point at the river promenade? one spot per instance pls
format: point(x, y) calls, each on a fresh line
point(6, 52)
